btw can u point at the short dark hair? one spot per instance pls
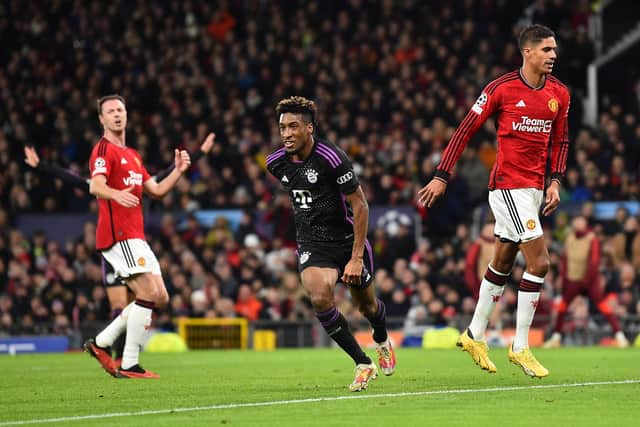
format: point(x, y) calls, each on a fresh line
point(534, 34)
point(109, 98)
point(298, 105)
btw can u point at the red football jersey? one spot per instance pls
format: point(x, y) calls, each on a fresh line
point(526, 118)
point(123, 168)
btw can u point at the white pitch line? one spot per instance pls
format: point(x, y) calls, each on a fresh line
point(312, 400)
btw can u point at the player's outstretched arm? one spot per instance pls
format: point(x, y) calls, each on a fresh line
point(99, 188)
point(205, 148)
point(353, 270)
point(32, 159)
point(182, 162)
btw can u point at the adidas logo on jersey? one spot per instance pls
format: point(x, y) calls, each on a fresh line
point(284, 179)
point(123, 161)
point(521, 103)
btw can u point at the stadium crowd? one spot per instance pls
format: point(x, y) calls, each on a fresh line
point(391, 80)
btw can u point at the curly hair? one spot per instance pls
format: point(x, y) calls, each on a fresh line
point(298, 105)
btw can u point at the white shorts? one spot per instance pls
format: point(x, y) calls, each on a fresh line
point(130, 257)
point(517, 213)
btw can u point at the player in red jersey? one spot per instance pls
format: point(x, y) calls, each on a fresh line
point(531, 107)
point(118, 179)
point(116, 289)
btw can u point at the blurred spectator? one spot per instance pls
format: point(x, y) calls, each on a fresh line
point(478, 258)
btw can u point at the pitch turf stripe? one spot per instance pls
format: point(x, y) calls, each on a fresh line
point(315, 400)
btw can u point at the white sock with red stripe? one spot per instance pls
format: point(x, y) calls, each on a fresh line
point(528, 297)
point(137, 325)
point(113, 329)
point(491, 290)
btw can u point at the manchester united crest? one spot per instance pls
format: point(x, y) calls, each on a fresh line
point(553, 105)
point(531, 224)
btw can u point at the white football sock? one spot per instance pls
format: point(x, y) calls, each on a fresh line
point(487, 299)
point(137, 325)
point(114, 329)
point(527, 304)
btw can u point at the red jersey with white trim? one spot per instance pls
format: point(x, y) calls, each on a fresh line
point(526, 119)
point(123, 168)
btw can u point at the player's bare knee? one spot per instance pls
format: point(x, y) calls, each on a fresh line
point(540, 266)
point(118, 305)
point(148, 295)
point(145, 289)
point(321, 301)
point(162, 299)
point(502, 267)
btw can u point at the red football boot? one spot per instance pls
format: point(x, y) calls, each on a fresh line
point(102, 355)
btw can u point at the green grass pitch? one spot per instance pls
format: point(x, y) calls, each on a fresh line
point(309, 388)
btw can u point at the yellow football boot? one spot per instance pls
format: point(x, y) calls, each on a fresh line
point(527, 361)
point(478, 350)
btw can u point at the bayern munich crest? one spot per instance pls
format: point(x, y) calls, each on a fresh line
point(312, 176)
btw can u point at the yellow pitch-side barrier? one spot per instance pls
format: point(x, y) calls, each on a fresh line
point(224, 333)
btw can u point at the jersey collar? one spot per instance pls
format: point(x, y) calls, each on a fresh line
point(527, 83)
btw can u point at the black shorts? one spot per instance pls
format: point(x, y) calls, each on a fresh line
point(337, 257)
point(109, 278)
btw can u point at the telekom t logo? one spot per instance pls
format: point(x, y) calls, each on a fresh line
point(303, 198)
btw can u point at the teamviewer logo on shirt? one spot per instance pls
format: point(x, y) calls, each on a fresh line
point(134, 178)
point(527, 124)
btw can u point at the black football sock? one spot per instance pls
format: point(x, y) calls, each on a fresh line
point(336, 326)
point(379, 323)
